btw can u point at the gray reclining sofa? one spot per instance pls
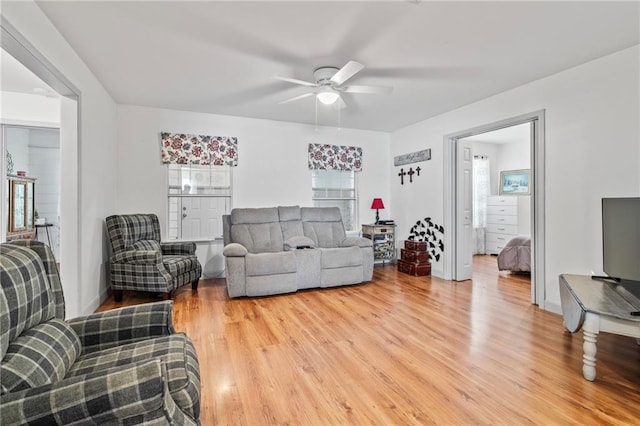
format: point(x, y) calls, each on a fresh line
point(282, 249)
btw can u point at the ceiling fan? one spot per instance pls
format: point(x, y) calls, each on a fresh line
point(330, 82)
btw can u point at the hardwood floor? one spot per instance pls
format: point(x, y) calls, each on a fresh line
point(400, 350)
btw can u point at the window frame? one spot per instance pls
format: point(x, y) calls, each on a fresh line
point(354, 199)
point(179, 196)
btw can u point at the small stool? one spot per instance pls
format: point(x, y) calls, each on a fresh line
point(46, 226)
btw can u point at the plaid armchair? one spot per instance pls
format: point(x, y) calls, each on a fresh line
point(140, 262)
point(124, 366)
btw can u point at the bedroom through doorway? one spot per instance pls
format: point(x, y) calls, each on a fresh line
point(458, 257)
point(501, 200)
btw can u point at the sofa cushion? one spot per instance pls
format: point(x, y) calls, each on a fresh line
point(26, 299)
point(332, 258)
point(176, 352)
point(262, 215)
point(41, 355)
point(258, 237)
point(178, 265)
point(323, 225)
point(325, 234)
point(290, 222)
point(150, 245)
point(289, 213)
point(271, 263)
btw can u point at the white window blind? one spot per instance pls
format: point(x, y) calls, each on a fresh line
point(336, 188)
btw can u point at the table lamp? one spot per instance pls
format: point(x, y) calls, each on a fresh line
point(377, 204)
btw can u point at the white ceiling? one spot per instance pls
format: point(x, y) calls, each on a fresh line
point(220, 57)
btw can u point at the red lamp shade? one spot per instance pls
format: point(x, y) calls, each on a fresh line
point(377, 203)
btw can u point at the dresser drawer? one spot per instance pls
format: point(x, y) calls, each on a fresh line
point(498, 238)
point(502, 220)
point(502, 229)
point(503, 210)
point(502, 201)
point(494, 248)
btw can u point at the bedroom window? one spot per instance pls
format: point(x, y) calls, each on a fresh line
point(198, 196)
point(336, 188)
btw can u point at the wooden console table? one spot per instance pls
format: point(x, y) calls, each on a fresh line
point(597, 306)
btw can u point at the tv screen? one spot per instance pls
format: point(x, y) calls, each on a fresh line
point(621, 238)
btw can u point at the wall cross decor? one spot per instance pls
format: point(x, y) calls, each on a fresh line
point(411, 173)
point(418, 170)
point(402, 174)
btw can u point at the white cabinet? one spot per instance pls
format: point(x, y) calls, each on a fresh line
point(502, 222)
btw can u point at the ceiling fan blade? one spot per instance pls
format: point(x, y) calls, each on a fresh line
point(346, 72)
point(374, 90)
point(295, 81)
point(306, 95)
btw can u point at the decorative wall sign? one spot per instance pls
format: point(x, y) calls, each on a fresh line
point(335, 157)
point(181, 148)
point(429, 231)
point(413, 157)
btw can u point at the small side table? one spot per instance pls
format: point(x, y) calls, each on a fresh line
point(384, 244)
point(598, 306)
point(46, 226)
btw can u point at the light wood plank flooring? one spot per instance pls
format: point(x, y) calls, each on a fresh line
point(400, 350)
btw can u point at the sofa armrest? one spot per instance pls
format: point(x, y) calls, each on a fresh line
point(104, 397)
point(234, 250)
point(138, 257)
point(356, 241)
point(178, 248)
point(124, 325)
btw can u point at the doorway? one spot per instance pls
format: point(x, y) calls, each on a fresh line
point(18, 47)
point(36, 150)
point(457, 252)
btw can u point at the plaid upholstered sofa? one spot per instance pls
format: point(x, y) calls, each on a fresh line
point(140, 262)
point(124, 366)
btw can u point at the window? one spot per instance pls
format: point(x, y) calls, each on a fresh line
point(336, 188)
point(198, 196)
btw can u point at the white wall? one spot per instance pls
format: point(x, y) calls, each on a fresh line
point(592, 150)
point(31, 110)
point(84, 275)
point(272, 164)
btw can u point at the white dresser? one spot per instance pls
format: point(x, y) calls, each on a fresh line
point(502, 222)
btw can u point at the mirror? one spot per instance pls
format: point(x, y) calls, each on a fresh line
point(19, 211)
point(21, 205)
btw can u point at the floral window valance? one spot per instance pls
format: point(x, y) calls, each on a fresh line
point(335, 157)
point(180, 148)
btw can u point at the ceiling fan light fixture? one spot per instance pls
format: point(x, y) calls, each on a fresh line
point(328, 96)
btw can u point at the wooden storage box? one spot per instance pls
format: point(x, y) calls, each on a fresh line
point(415, 245)
point(414, 256)
point(412, 268)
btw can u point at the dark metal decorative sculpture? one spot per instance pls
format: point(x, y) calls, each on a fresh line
point(428, 231)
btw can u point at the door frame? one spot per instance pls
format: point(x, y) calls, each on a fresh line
point(537, 147)
point(12, 41)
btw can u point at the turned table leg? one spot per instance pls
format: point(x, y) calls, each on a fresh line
point(590, 331)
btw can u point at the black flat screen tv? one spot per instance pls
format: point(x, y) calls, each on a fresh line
point(621, 238)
